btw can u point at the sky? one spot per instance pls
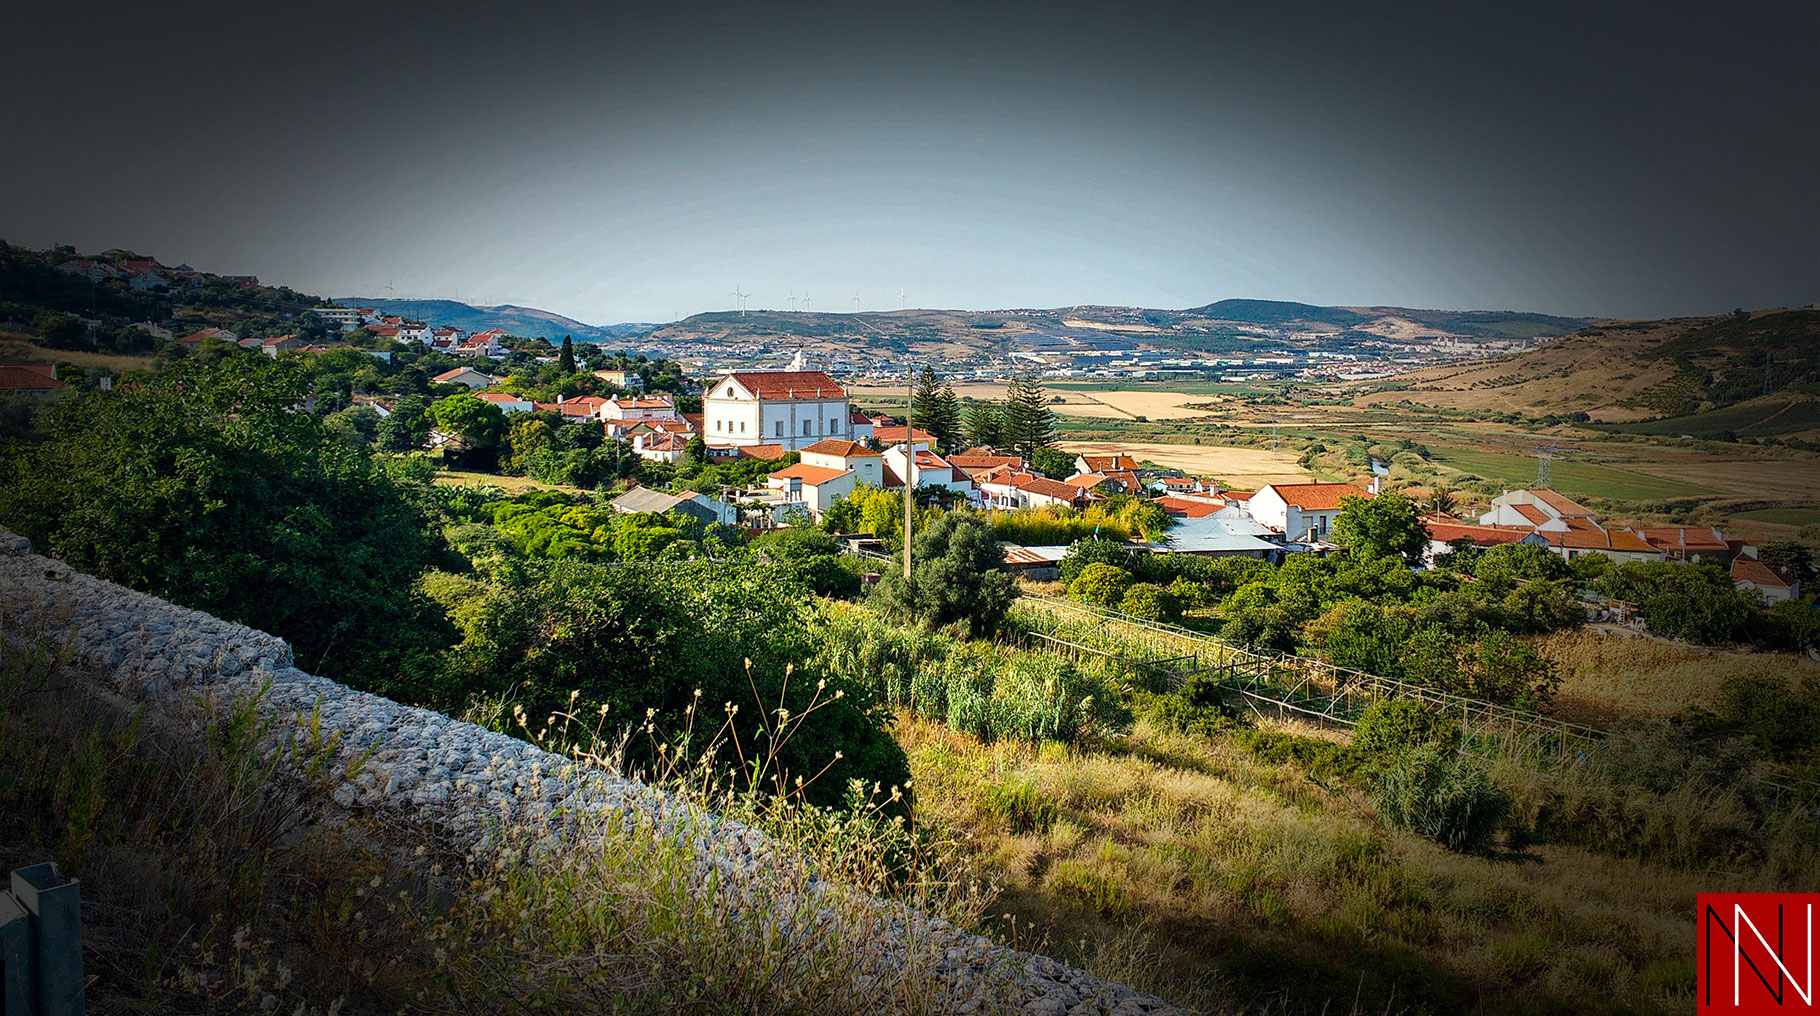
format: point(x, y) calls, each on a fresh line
point(640, 164)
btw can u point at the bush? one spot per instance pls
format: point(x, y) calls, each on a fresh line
point(959, 577)
point(1102, 585)
point(1443, 796)
point(1387, 730)
point(1202, 707)
point(1150, 602)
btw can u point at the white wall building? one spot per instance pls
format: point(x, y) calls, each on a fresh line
point(794, 409)
point(813, 487)
point(866, 465)
point(1302, 511)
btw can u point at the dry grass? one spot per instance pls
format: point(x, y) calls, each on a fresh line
point(509, 484)
point(15, 348)
point(1242, 468)
point(1218, 882)
point(1608, 676)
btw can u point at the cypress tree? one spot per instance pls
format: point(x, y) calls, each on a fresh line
point(567, 361)
point(985, 424)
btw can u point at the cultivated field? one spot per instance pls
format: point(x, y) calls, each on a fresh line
point(1243, 468)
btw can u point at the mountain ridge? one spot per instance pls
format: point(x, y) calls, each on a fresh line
point(532, 322)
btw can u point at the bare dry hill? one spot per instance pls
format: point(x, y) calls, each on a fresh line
point(1748, 374)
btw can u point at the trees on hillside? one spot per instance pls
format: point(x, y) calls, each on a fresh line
point(203, 483)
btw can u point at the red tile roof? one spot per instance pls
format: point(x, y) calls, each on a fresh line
point(1560, 503)
point(1047, 488)
point(789, 384)
point(1532, 513)
point(22, 379)
point(1315, 496)
point(1681, 538)
point(769, 452)
point(810, 475)
point(1483, 536)
point(457, 372)
point(1108, 463)
point(1598, 539)
point(984, 460)
point(894, 434)
point(837, 446)
point(1187, 508)
point(1085, 481)
point(1749, 569)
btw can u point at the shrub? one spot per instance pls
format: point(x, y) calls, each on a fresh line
point(1443, 796)
point(1202, 706)
point(1150, 602)
point(1102, 585)
point(959, 577)
point(1390, 729)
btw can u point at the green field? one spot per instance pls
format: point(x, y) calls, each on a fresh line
point(1784, 516)
point(1755, 420)
point(1585, 479)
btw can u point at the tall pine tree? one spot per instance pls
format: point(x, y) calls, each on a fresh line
point(567, 360)
point(985, 424)
point(1029, 423)
point(936, 410)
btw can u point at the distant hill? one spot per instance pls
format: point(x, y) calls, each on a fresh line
point(1235, 326)
point(527, 321)
point(1753, 375)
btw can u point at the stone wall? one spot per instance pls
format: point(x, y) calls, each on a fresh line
point(456, 778)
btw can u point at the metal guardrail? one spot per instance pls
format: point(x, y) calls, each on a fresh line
point(41, 944)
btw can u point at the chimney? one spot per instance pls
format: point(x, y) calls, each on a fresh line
point(559, 400)
point(1376, 482)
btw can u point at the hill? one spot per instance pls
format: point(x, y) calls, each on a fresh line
point(1229, 326)
point(1751, 374)
point(526, 321)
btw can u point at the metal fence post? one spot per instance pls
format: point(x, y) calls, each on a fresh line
point(15, 958)
point(54, 908)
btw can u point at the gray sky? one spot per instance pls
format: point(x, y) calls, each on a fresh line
point(1629, 160)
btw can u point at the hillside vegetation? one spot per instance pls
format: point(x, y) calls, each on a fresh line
point(1748, 374)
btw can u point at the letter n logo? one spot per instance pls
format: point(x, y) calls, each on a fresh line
point(1755, 953)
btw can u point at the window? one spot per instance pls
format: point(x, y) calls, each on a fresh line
point(742, 426)
point(808, 427)
point(780, 428)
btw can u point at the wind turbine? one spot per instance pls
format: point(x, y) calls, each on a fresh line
point(856, 301)
point(793, 301)
point(739, 300)
point(900, 298)
point(805, 301)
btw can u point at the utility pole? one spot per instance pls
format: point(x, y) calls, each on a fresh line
point(909, 465)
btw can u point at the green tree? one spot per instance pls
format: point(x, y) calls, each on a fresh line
point(985, 424)
point(1788, 557)
point(1028, 421)
point(408, 426)
point(957, 576)
point(935, 409)
point(203, 484)
point(566, 361)
point(476, 424)
point(526, 433)
point(1102, 585)
point(1388, 525)
point(1053, 463)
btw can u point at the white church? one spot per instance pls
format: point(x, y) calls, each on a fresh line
point(793, 408)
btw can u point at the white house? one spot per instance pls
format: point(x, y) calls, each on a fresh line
point(1542, 510)
point(814, 487)
point(861, 424)
point(465, 376)
point(1302, 511)
point(627, 379)
point(931, 469)
point(345, 318)
point(793, 408)
point(1750, 573)
point(506, 402)
point(866, 465)
point(1008, 490)
point(643, 407)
